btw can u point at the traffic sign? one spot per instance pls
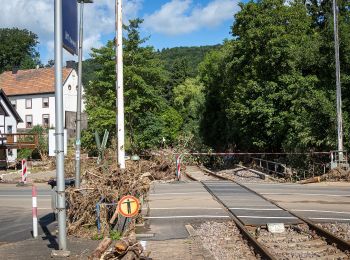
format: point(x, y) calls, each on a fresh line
point(70, 25)
point(128, 206)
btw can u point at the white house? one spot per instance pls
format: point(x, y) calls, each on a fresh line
point(32, 94)
point(9, 119)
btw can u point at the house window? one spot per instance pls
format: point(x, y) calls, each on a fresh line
point(9, 129)
point(9, 152)
point(46, 120)
point(29, 103)
point(45, 102)
point(14, 104)
point(69, 87)
point(29, 121)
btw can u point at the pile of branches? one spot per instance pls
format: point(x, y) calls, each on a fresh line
point(126, 248)
point(336, 174)
point(107, 184)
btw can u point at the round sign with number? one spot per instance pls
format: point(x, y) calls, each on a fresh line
point(129, 206)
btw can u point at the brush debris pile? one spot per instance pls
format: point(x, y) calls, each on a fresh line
point(336, 174)
point(107, 184)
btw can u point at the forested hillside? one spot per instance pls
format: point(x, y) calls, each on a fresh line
point(191, 56)
point(271, 87)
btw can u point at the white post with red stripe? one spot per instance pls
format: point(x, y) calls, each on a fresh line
point(24, 171)
point(178, 167)
point(35, 211)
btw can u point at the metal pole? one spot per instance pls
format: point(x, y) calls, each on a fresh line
point(61, 207)
point(338, 84)
point(119, 85)
point(78, 116)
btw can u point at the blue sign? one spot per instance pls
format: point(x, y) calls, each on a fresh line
point(70, 25)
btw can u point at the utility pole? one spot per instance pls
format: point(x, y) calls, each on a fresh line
point(338, 84)
point(59, 134)
point(120, 85)
point(79, 90)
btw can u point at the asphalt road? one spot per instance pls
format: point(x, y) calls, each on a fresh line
point(173, 205)
point(16, 212)
point(250, 208)
point(318, 202)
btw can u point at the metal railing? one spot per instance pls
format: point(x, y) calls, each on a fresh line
point(271, 166)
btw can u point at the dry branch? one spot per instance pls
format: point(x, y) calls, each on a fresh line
point(102, 247)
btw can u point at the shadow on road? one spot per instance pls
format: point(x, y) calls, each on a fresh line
point(48, 230)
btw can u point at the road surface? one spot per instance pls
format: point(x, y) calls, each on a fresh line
point(16, 211)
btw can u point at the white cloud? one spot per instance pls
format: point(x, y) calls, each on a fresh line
point(38, 16)
point(181, 16)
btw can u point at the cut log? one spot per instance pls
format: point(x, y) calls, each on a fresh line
point(311, 180)
point(102, 247)
point(130, 256)
point(122, 245)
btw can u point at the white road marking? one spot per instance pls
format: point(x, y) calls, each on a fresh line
point(277, 209)
point(198, 216)
point(183, 208)
point(306, 194)
point(343, 219)
point(28, 195)
point(267, 217)
point(179, 193)
point(322, 211)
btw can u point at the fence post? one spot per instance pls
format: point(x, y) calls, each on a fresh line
point(178, 167)
point(24, 171)
point(35, 211)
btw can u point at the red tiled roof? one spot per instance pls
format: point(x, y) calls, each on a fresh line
point(33, 81)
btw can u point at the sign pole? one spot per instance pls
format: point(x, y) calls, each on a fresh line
point(119, 85)
point(78, 116)
point(61, 205)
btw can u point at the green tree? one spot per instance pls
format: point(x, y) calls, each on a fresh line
point(189, 102)
point(17, 49)
point(264, 89)
point(147, 113)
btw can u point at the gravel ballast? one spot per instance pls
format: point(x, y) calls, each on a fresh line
point(241, 175)
point(341, 230)
point(224, 241)
point(299, 242)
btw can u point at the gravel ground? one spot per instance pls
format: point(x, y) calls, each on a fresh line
point(241, 175)
point(341, 230)
point(224, 241)
point(299, 243)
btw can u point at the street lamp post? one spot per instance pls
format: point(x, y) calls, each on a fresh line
point(119, 85)
point(79, 93)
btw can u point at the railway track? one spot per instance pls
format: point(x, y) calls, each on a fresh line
point(301, 238)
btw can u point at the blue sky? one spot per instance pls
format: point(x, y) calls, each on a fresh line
point(170, 23)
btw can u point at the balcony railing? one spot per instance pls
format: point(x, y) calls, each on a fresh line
point(19, 141)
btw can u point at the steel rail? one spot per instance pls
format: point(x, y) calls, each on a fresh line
point(330, 238)
point(260, 249)
point(241, 153)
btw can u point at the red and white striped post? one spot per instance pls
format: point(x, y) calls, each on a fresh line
point(35, 211)
point(24, 171)
point(178, 167)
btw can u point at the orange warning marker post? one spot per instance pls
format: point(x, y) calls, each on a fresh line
point(128, 206)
